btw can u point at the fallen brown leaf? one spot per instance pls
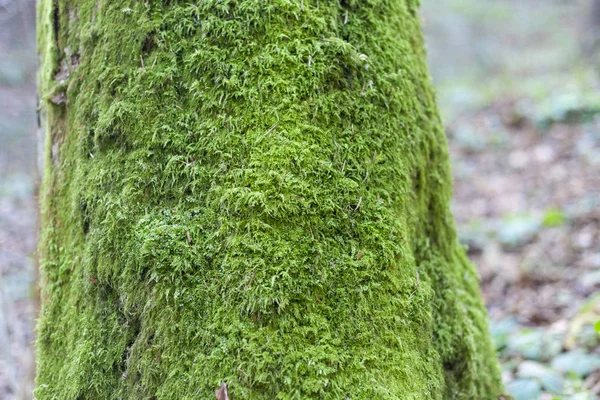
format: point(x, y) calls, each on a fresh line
point(221, 392)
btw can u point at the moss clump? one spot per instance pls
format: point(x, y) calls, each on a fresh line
point(252, 192)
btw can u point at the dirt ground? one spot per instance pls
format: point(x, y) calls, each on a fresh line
point(521, 102)
point(520, 99)
point(18, 206)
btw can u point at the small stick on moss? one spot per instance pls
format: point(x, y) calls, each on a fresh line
point(142, 59)
point(187, 233)
point(250, 281)
point(360, 255)
point(346, 18)
point(271, 129)
point(242, 371)
point(358, 205)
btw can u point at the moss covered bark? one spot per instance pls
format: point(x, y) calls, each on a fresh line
point(253, 192)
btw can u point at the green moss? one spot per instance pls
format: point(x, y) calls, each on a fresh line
point(252, 192)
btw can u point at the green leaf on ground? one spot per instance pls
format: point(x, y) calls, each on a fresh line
point(577, 362)
point(524, 389)
point(518, 230)
point(554, 217)
point(551, 380)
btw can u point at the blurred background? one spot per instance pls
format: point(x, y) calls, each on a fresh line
point(18, 203)
point(518, 84)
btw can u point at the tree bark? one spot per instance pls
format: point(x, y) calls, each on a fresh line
point(252, 198)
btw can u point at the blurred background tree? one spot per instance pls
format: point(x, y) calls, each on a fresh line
point(591, 25)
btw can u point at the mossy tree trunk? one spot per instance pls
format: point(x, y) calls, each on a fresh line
point(251, 192)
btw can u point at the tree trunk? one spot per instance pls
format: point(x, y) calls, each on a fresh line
point(249, 197)
point(594, 15)
point(590, 31)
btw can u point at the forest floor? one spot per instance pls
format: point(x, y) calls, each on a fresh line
point(520, 97)
point(18, 204)
point(527, 204)
point(521, 105)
